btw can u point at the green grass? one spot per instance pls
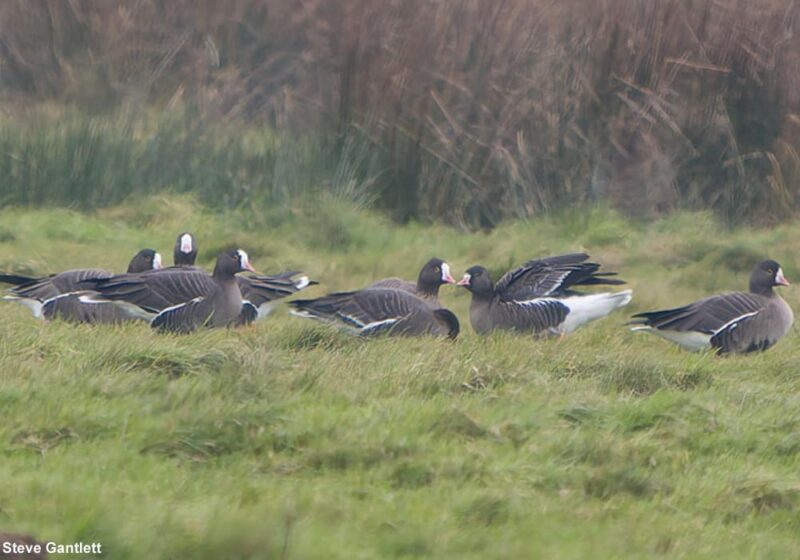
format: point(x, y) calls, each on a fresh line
point(291, 440)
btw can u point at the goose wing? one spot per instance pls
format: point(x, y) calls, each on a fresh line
point(710, 316)
point(71, 308)
point(551, 276)
point(53, 285)
point(365, 311)
point(394, 284)
point(156, 290)
point(259, 289)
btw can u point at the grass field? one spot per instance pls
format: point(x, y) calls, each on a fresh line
point(289, 440)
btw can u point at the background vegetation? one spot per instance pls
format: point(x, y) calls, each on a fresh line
point(464, 111)
point(293, 441)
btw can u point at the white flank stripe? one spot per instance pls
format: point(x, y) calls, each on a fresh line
point(736, 320)
point(355, 320)
point(173, 307)
point(376, 324)
point(302, 282)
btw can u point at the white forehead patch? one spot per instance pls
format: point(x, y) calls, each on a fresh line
point(445, 272)
point(157, 261)
point(243, 256)
point(186, 243)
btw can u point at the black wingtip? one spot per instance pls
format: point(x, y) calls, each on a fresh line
point(17, 280)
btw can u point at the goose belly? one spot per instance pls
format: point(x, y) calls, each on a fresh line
point(692, 341)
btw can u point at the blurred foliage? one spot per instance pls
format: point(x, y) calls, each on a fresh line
point(469, 111)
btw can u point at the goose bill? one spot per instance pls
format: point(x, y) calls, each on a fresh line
point(245, 260)
point(780, 279)
point(465, 281)
point(446, 278)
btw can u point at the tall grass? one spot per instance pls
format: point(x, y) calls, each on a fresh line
point(470, 111)
point(85, 162)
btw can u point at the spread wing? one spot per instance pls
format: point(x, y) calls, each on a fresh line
point(259, 289)
point(551, 276)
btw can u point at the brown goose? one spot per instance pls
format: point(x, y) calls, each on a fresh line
point(220, 307)
point(47, 296)
point(375, 311)
point(149, 293)
point(185, 252)
point(259, 293)
point(435, 273)
point(538, 302)
point(737, 322)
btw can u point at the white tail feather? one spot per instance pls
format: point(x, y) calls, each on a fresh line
point(586, 308)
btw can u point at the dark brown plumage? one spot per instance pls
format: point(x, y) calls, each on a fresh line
point(737, 322)
point(433, 274)
point(58, 295)
point(538, 297)
point(374, 311)
point(155, 291)
point(220, 307)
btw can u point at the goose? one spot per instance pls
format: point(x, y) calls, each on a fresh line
point(374, 311)
point(538, 297)
point(185, 252)
point(257, 305)
point(148, 293)
point(55, 295)
point(736, 322)
point(219, 307)
point(435, 273)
